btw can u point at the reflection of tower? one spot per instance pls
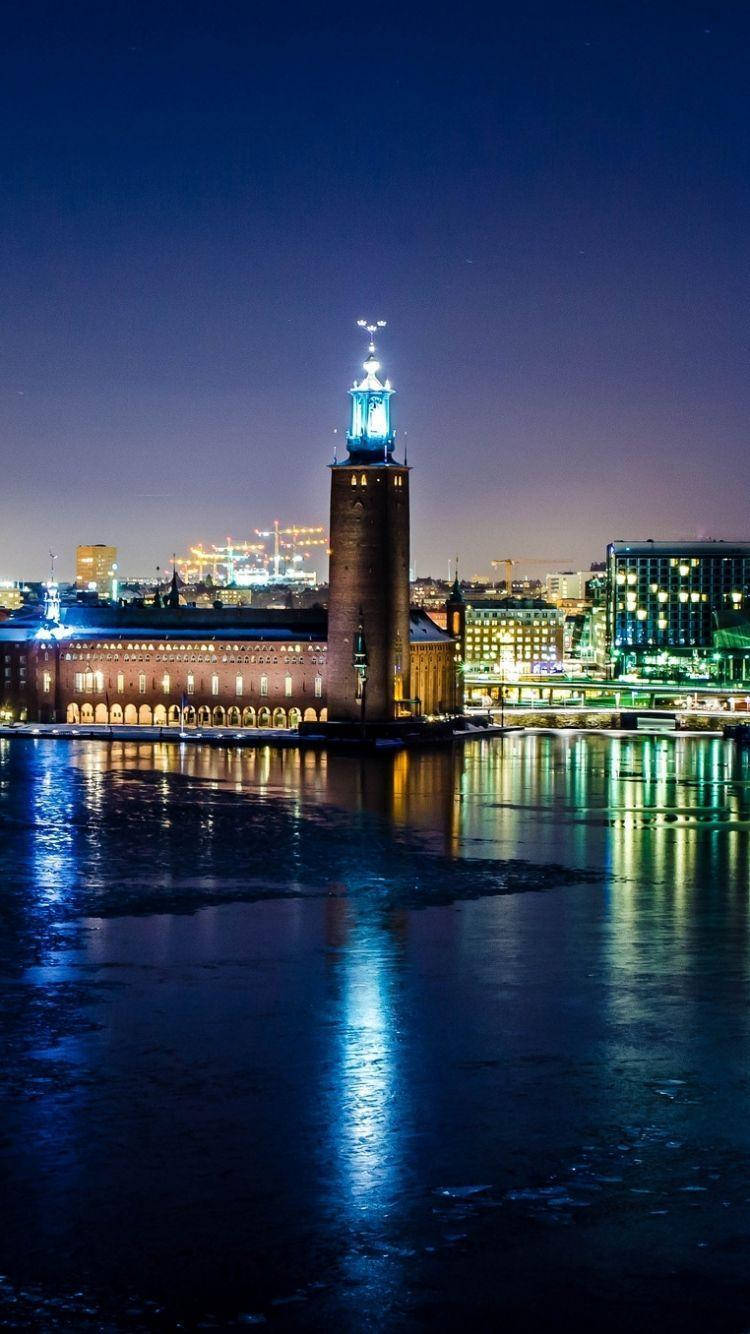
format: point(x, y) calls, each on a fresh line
point(369, 568)
point(455, 608)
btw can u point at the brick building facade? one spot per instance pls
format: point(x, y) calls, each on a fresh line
point(233, 667)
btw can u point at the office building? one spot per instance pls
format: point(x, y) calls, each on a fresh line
point(667, 601)
point(512, 637)
point(96, 569)
point(566, 585)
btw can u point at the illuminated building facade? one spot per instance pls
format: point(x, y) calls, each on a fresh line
point(666, 601)
point(566, 585)
point(172, 666)
point(96, 569)
point(10, 595)
point(510, 636)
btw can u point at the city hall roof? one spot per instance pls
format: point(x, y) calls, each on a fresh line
point(211, 623)
point(423, 630)
point(79, 621)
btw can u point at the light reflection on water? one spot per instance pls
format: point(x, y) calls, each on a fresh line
point(313, 1077)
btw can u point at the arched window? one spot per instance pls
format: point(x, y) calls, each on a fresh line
point(215, 683)
point(165, 683)
point(120, 683)
point(287, 685)
point(190, 684)
point(264, 684)
point(318, 686)
point(238, 684)
point(363, 479)
point(141, 683)
point(354, 480)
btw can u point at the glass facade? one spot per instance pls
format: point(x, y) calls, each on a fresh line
point(667, 601)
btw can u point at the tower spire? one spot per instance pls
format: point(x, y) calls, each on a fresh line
point(173, 597)
point(370, 438)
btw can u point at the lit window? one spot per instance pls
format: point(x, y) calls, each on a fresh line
point(190, 684)
point(318, 686)
point(287, 685)
point(238, 685)
point(363, 480)
point(215, 684)
point(165, 683)
point(120, 683)
point(46, 682)
point(264, 684)
point(354, 480)
point(141, 683)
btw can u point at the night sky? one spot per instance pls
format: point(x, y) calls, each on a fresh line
point(547, 202)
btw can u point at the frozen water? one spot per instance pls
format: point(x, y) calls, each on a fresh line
point(255, 1005)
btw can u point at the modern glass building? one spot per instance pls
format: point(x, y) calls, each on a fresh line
point(667, 600)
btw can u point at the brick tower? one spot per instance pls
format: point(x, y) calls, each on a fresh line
point(368, 606)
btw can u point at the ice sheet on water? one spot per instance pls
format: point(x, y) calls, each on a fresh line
point(461, 1192)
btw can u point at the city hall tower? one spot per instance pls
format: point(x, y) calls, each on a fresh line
point(368, 606)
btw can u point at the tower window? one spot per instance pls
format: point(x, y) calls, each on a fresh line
point(363, 480)
point(354, 480)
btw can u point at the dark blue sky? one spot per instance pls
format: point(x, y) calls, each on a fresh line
point(547, 202)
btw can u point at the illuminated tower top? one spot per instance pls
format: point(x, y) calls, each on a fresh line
point(370, 438)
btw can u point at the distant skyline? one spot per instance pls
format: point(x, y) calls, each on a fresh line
point(549, 207)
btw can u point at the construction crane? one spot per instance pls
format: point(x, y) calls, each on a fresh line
point(300, 537)
point(291, 546)
point(217, 559)
point(510, 561)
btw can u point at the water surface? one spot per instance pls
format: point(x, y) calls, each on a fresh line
point(431, 1040)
